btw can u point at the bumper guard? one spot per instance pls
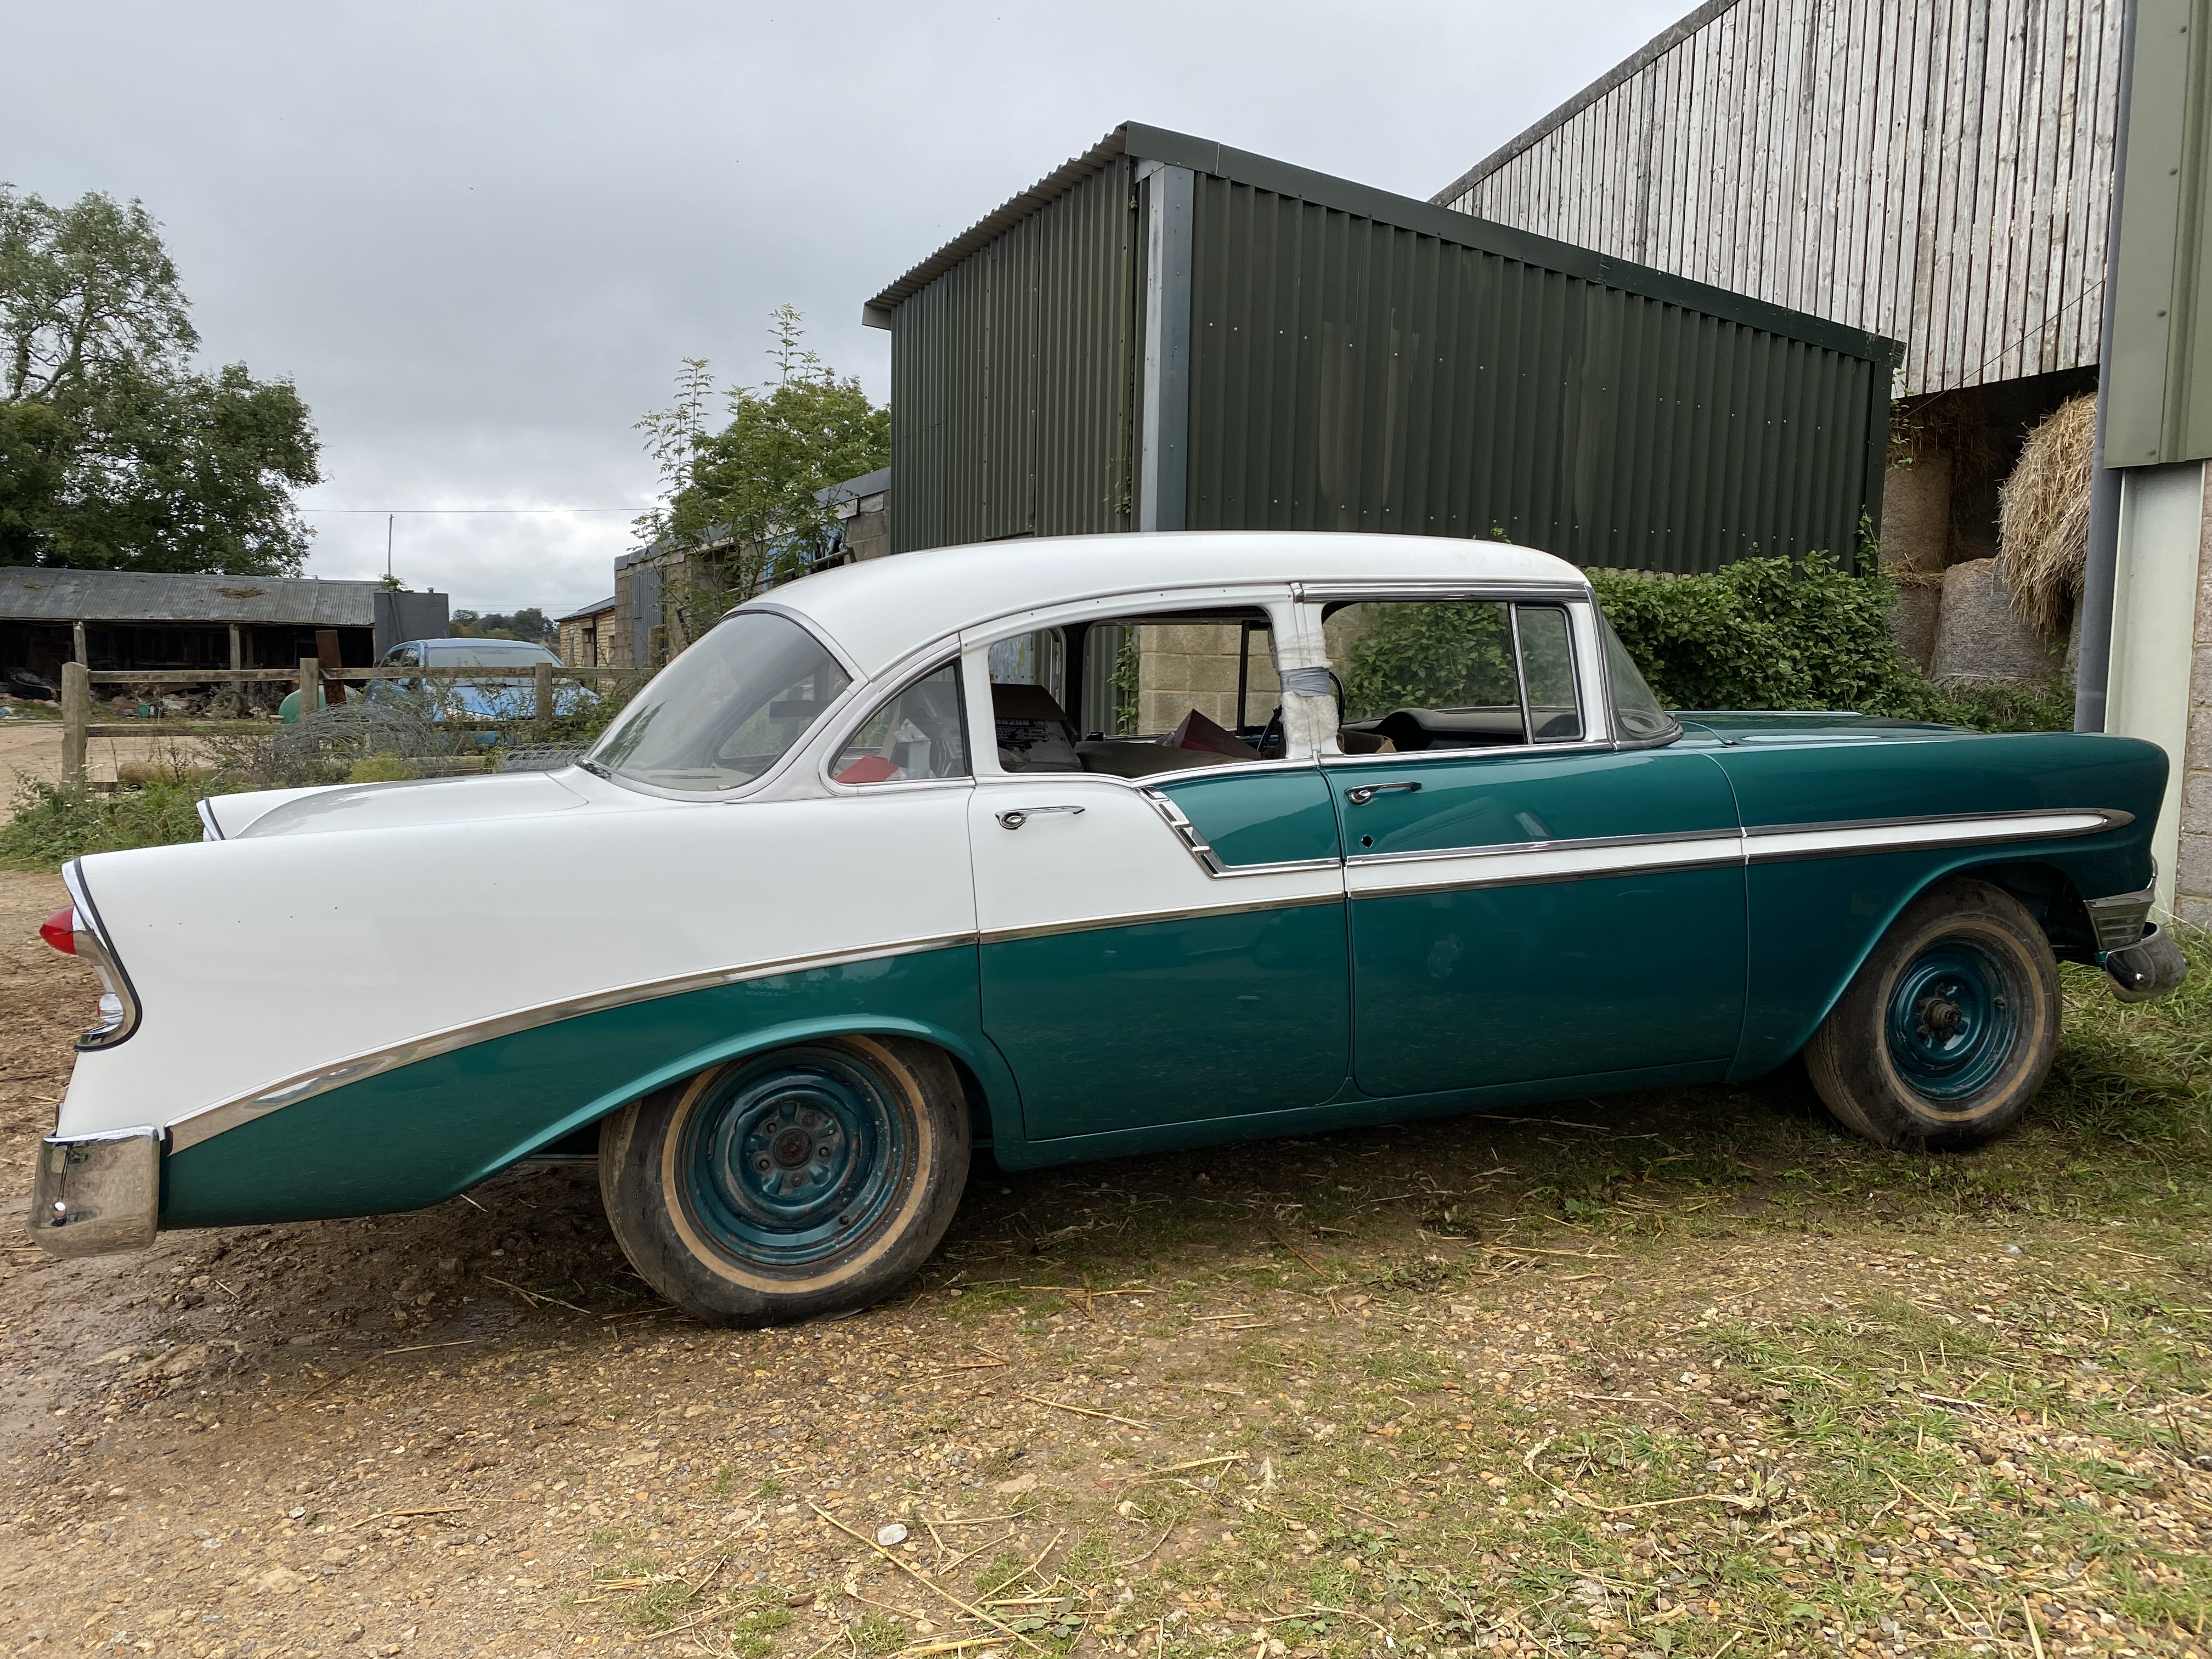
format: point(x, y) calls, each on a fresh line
point(96, 1194)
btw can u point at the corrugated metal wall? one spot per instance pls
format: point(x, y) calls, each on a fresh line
point(1014, 375)
point(1935, 171)
point(1347, 374)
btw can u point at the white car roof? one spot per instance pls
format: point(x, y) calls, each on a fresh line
point(879, 611)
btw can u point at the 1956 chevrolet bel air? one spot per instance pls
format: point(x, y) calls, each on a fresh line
point(875, 873)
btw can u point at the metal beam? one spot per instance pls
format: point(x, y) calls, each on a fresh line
point(1164, 464)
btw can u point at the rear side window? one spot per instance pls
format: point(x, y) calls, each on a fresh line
point(919, 733)
point(1420, 674)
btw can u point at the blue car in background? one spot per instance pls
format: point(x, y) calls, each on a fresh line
point(507, 690)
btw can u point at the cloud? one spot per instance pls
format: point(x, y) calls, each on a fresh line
point(480, 237)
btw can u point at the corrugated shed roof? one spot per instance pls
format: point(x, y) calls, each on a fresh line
point(1207, 156)
point(591, 610)
point(30, 593)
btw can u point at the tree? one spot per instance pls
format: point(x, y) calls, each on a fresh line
point(529, 624)
point(117, 452)
point(741, 504)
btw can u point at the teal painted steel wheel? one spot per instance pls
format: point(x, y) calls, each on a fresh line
point(1948, 1028)
point(809, 1180)
point(1953, 1017)
point(781, 1159)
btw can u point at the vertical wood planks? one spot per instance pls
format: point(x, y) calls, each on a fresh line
point(1937, 171)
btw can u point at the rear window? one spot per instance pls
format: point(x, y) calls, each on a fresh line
point(490, 653)
point(727, 710)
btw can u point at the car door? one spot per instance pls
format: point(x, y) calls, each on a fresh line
point(1527, 900)
point(1157, 949)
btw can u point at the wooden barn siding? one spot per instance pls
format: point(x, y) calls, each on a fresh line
point(1937, 171)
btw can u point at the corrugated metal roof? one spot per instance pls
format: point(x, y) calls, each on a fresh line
point(1207, 156)
point(868, 483)
point(31, 594)
point(594, 608)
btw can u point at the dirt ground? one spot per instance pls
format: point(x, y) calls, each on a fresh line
point(33, 749)
point(1689, 1375)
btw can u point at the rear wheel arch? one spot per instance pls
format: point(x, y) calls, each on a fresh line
point(791, 1181)
point(994, 1106)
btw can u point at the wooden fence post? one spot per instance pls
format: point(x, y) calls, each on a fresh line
point(311, 686)
point(76, 715)
point(544, 710)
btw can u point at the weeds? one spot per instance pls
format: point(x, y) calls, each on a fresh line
point(51, 824)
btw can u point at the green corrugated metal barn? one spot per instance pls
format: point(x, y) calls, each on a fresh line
point(1169, 334)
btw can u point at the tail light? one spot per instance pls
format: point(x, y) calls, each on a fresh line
point(60, 930)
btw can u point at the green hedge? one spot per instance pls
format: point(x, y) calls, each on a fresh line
point(1768, 633)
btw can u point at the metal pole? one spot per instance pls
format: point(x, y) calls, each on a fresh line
point(2093, 666)
point(76, 715)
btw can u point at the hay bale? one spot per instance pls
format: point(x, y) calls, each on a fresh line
point(1915, 512)
point(1982, 638)
point(2043, 517)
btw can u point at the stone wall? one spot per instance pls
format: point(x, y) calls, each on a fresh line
point(1182, 667)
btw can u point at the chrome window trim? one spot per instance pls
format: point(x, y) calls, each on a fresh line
point(900, 680)
point(1357, 590)
point(1571, 599)
point(1584, 746)
point(92, 944)
point(194, 1128)
point(856, 685)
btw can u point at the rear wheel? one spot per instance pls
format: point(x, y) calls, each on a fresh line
point(811, 1179)
point(1947, 1031)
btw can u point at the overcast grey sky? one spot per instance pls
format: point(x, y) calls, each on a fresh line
point(479, 236)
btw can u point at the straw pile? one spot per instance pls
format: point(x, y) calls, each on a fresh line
point(2043, 517)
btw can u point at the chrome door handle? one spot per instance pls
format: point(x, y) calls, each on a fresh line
point(1017, 816)
point(1367, 792)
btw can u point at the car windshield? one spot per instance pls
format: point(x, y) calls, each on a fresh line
point(489, 654)
point(727, 710)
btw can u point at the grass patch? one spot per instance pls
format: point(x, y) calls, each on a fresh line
point(50, 825)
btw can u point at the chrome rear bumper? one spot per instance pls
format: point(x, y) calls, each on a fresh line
point(95, 1195)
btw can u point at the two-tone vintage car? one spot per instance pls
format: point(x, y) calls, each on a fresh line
point(876, 873)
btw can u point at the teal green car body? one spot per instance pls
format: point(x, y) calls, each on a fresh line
point(1144, 1036)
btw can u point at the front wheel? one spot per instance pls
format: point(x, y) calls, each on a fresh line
point(811, 1179)
point(1949, 1029)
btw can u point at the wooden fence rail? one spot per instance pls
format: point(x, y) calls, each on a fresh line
point(310, 677)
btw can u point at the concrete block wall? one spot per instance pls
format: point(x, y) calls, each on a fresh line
point(2192, 875)
point(1182, 667)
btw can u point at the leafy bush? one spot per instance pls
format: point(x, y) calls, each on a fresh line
point(1446, 655)
point(51, 824)
point(1769, 633)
